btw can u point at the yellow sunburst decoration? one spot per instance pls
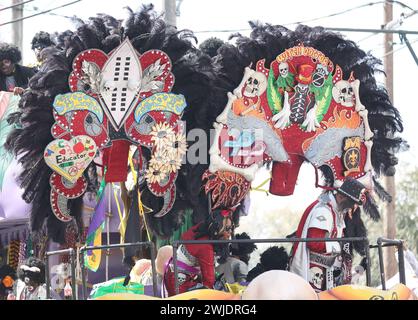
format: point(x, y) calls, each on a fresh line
point(161, 134)
point(156, 172)
point(176, 146)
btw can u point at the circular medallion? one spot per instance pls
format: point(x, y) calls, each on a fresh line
point(66, 188)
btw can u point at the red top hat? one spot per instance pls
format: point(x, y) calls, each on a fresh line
point(305, 72)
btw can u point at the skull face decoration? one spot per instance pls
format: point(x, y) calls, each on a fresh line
point(343, 93)
point(256, 85)
point(316, 277)
point(181, 278)
point(283, 69)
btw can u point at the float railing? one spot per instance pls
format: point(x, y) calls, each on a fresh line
point(176, 244)
point(149, 244)
point(72, 253)
point(383, 242)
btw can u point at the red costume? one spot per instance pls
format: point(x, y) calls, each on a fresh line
point(321, 263)
point(195, 263)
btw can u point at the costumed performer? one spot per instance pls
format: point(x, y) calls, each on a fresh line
point(327, 264)
point(196, 262)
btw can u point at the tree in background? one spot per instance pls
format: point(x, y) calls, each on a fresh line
point(406, 218)
point(267, 221)
point(407, 209)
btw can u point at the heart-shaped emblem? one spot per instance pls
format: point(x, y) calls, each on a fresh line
point(76, 158)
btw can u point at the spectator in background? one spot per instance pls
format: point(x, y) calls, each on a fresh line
point(235, 269)
point(274, 258)
point(13, 76)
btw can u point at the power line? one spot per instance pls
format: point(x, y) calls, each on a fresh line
point(304, 21)
point(35, 9)
point(16, 5)
point(315, 19)
point(349, 10)
point(336, 13)
point(367, 37)
point(371, 30)
point(331, 29)
point(399, 3)
point(398, 49)
point(393, 24)
point(39, 13)
point(221, 31)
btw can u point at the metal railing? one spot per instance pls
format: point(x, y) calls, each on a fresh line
point(72, 253)
point(280, 240)
point(149, 244)
point(383, 242)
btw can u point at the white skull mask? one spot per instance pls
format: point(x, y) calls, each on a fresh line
point(316, 277)
point(343, 93)
point(284, 69)
point(181, 278)
point(256, 84)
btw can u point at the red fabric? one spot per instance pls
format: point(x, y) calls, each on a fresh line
point(115, 159)
point(284, 176)
point(316, 246)
point(170, 284)
point(302, 224)
point(205, 256)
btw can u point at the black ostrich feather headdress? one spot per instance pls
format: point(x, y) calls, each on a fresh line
point(146, 30)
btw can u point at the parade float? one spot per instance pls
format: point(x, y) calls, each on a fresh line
point(104, 125)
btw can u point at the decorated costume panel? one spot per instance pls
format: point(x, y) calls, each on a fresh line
point(299, 109)
point(117, 99)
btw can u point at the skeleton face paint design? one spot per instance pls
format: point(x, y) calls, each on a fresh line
point(284, 69)
point(343, 93)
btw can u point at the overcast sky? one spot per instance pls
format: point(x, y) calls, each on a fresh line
point(203, 16)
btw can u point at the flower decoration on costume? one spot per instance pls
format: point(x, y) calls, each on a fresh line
point(174, 164)
point(177, 146)
point(161, 134)
point(156, 172)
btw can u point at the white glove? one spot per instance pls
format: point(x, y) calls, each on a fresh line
point(310, 122)
point(282, 118)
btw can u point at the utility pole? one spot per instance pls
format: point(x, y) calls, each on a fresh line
point(169, 7)
point(17, 28)
point(389, 220)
